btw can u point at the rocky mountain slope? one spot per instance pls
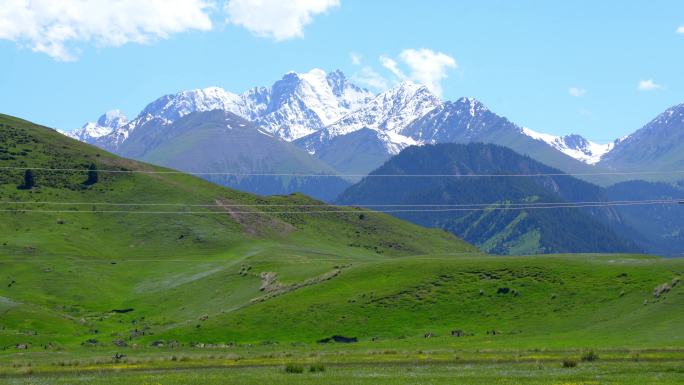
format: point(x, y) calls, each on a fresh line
point(658, 146)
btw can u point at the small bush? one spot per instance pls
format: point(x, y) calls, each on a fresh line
point(569, 363)
point(590, 356)
point(293, 368)
point(316, 368)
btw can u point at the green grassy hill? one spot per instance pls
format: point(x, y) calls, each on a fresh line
point(81, 278)
point(572, 301)
point(80, 253)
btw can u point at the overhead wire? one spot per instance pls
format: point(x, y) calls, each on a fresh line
point(560, 205)
point(288, 174)
point(500, 203)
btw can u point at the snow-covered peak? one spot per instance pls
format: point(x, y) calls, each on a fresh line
point(671, 120)
point(474, 106)
point(294, 106)
point(573, 145)
point(316, 93)
point(105, 125)
point(302, 103)
point(463, 120)
point(314, 76)
point(673, 115)
point(113, 119)
point(391, 110)
point(173, 107)
point(170, 108)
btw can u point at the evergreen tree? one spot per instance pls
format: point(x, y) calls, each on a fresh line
point(29, 181)
point(92, 175)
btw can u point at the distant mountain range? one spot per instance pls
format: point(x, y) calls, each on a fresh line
point(352, 131)
point(471, 206)
point(293, 107)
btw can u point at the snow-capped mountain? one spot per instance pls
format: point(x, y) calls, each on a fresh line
point(300, 104)
point(292, 107)
point(386, 114)
point(174, 107)
point(390, 111)
point(573, 145)
point(463, 120)
point(108, 122)
point(467, 120)
point(324, 113)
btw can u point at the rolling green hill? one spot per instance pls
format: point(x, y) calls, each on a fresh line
point(90, 278)
point(86, 250)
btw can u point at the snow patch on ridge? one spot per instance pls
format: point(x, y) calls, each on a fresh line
point(574, 146)
point(395, 143)
point(389, 111)
point(105, 125)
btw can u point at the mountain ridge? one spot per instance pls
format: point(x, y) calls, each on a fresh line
point(318, 105)
point(657, 146)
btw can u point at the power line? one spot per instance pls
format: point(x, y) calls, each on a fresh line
point(559, 206)
point(336, 205)
point(198, 173)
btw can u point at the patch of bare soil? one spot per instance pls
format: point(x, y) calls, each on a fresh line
point(255, 224)
point(272, 288)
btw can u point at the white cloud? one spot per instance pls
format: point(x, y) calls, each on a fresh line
point(680, 29)
point(393, 67)
point(369, 78)
point(424, 66)
point(57, 27)
point(355, 58)
point(428, 67)
point(577, 92)
point(649, 85)
point(277, 19)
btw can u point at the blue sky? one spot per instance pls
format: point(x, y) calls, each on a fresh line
point(520, 58)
